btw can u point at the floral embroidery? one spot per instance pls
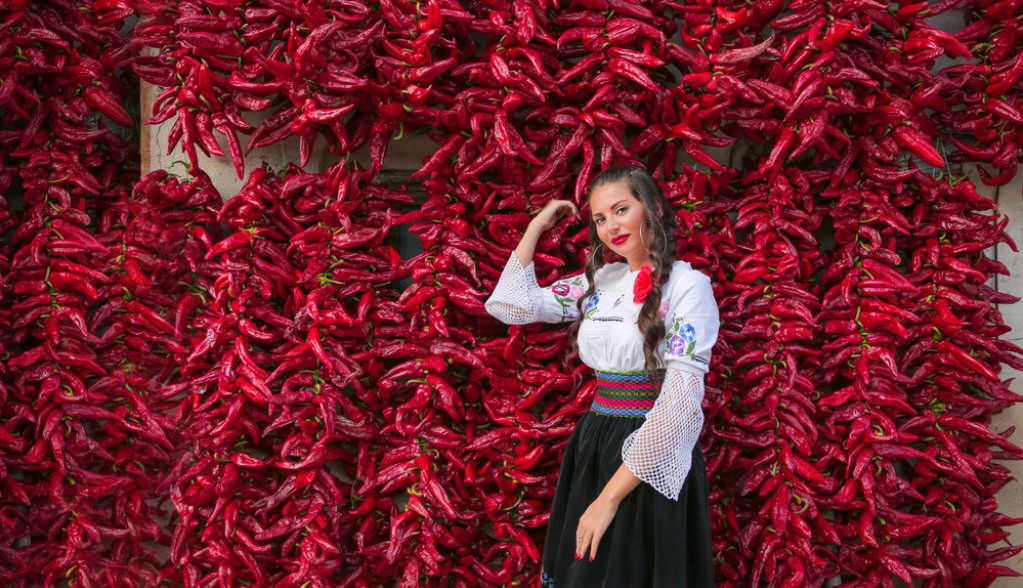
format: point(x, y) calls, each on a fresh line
point(618, 301)
point(566, 293)
point(663, 312)
point(681, 339)
point(591, 304)
point(546, 581)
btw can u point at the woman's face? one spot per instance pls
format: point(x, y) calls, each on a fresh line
point(618, 216)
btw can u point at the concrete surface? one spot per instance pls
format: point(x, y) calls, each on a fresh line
point(1010, 499)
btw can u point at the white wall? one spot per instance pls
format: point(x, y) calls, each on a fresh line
point(1010, 499)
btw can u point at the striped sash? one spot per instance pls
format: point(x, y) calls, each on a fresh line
point(628, 394)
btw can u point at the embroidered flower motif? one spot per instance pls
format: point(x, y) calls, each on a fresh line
point(566, 293)
point(663, 312)
point(617, 301)
point(591, 304)
point(643, 285)
point(571, 289)
point(681, 339)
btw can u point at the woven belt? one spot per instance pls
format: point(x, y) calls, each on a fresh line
point(628, 394)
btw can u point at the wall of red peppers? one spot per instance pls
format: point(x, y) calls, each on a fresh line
point(261, 388)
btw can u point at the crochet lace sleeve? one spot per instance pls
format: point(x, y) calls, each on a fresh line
point(660, 451)
point(518, 299)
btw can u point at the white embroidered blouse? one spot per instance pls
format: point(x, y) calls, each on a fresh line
point(659, 452)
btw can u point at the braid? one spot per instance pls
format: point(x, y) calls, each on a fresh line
point(650, 323)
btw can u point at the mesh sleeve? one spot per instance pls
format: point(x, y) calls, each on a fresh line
point(518, 299)
point(660, 451)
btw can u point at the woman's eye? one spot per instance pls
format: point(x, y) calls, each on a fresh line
point(598, 221)
point(622, 210)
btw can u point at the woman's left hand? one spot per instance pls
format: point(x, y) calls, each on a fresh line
point(592, 525)
point(598, 516)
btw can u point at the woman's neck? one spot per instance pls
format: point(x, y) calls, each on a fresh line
point(636, 263)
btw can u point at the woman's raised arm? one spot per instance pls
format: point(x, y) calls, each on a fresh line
point(518, 299)
point(541, 223)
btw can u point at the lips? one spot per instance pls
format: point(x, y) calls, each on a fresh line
point(620, 239)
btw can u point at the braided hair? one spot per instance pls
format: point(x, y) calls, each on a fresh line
point(658, 218)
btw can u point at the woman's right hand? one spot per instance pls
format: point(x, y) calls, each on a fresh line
point(551, 214)
point(542, 222)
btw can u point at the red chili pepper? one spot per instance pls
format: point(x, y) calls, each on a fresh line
point(915, 142)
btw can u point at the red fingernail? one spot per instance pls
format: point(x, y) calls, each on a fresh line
point(591, 558)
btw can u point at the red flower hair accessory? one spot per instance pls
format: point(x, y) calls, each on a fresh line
point(643, 284)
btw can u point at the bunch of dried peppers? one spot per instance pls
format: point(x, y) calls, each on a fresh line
point(270, 390)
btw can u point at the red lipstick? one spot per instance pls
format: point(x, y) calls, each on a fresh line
point(620, 239)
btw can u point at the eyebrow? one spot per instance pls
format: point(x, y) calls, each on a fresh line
point(613, 206)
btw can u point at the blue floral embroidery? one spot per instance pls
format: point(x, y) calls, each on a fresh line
point(591, 304)
point(546, 581)
point(681, 339)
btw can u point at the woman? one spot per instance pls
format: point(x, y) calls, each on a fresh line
point(630, 508)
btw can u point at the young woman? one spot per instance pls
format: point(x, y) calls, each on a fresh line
point(630, 508)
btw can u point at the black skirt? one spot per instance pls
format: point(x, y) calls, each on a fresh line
point(653, 542)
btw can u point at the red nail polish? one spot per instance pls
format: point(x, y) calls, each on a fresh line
point(591, 558)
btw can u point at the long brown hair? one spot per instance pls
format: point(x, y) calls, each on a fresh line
point(659, 218)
